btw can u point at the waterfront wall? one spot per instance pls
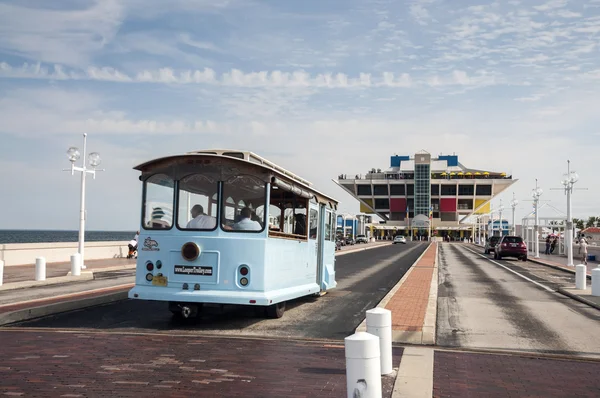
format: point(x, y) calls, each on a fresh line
point(25, 253)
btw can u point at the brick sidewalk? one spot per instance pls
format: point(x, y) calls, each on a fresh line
point(459, 374)
point(41, 363)
point(409, 303)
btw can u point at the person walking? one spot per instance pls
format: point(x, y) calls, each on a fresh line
point(547, 245)
point(583, 250)
point(553, 245)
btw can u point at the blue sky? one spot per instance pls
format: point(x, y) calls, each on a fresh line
point(321, 88)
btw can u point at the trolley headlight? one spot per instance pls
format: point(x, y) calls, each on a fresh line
point(244, 281)
point(190, 251)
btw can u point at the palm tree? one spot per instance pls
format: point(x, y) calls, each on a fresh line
point(578, 223)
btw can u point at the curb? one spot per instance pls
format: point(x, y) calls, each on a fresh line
point(556, 267)
point(75, 303)
point(431, 312)
point(56, 280)
point(578, 298)
point(342, 252)
point(402, 336)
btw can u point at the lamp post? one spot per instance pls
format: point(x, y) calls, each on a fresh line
point(500, 216)
point(94, 161)
point(570, 179)
point(513, 203)
point(536, 193)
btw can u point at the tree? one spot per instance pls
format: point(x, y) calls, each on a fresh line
point(590, 221)
point(578, 223)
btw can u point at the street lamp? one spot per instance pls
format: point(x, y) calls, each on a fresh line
point(513, 203)
point(500, 215)
point(569, 180)
point(536, 193)
point(94, 161)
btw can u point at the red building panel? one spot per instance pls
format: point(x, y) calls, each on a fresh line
point(447, 204)
point(398, 205)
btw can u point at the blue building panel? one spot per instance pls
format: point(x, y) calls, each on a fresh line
point(451, 159)
point(396, 160)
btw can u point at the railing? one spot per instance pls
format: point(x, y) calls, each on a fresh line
point(411, 176)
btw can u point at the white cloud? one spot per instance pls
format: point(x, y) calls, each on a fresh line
point(68, 37)
point(551, 5)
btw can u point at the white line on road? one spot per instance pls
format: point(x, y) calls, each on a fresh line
point(514, 272)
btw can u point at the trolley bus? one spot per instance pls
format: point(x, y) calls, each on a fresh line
point(230, 227)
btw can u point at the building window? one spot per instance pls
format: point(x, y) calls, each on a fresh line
point(465, 204)
point(382, 203)
point(446, 216)
point(448, 190)
point(380, 190)
point(466, 190)
point(410, 189)
point(435, 189)
point(485, 190)
point(397, 189)
point(363, 190)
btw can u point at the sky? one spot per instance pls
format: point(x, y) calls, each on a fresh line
point(320, 87)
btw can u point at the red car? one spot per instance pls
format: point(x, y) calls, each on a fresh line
point(511, 246)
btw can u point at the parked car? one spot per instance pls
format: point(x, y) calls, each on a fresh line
point(399, 239)
point(361, 239)
point(349, 240)
point(491, 244)
point(511, 246)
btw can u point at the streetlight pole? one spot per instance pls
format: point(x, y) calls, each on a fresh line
point(513, 203)
point(94, 161)
point(536, 193)
point(570, 179)
point(500, 215)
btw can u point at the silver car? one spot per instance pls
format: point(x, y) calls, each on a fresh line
point(399, 239)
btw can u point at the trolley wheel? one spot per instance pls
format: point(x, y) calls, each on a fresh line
point(276, 310)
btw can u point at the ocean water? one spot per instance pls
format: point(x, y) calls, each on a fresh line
point(44, 236)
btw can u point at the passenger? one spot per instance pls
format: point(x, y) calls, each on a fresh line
point(300, 228)
point(246, 223)
point(200, 219)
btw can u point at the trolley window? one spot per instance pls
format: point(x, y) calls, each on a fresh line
point(159, 195)
point(288, 216)
point(198, 202)
point(314, 221)
point(243, 205)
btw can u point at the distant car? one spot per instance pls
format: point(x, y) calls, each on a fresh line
point(349, 240)
point(511, 246)
point(399, 239)
point(491, 244)
point(361, 239)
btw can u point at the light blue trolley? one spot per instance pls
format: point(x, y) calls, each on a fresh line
point(230, 227)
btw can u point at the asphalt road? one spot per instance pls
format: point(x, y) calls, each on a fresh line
point(364, 278)
point(482, 303)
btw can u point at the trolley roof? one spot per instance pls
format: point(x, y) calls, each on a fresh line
point(243, 156)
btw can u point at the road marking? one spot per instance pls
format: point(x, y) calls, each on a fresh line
point(514, 272)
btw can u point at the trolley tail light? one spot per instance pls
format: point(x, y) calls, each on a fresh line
point(149, 266)
point(244, 271)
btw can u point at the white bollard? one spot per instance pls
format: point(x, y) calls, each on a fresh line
point(596, 282)
point(76, 264)
point(379, 323)
point(363, 368)
point(40, 269)
point(580, 276)
point(1, 271)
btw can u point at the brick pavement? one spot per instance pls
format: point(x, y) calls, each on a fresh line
point(87, 364)
point(459, 374)
point(409, 304)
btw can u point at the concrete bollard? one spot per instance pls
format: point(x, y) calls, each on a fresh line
point(40, 269)
point(76, 264)
point(363, 366)
point(596, 282)
point(379, 323)
point(580, 276)
point(1, 271)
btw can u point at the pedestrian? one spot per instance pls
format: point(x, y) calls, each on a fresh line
point(583, 244)
point(547, 245)
point(553, 245)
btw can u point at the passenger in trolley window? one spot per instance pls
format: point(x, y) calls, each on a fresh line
point(200, 219)
point(246, 223)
